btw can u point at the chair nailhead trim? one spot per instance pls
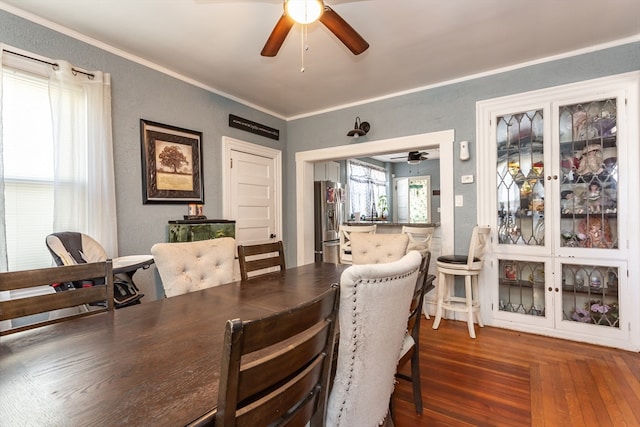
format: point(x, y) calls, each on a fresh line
point(355, 335)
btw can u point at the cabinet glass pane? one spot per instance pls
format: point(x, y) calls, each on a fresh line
point(589, 175)
point(590, 294)
point(520, 183)
point(522, 287)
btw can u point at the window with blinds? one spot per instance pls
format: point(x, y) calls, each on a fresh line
point(28, 168)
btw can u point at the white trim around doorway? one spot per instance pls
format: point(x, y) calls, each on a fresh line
point(305, 176)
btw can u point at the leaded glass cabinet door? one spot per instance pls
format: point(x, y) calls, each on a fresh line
point(587, 135)
point(520, 180)
point(522, 152)
point(558, 182)
point(590, 294)
point(588, 165)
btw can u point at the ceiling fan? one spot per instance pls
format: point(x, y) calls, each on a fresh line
point(306, 12)
point(414, 157)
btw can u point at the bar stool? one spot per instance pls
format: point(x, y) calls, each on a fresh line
point(419, 238)
point(344, 234)
point(469, 266)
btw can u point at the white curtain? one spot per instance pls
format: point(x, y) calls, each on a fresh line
point(366, 184)
point(4, 295)
point(84, 183)
point(3, 231)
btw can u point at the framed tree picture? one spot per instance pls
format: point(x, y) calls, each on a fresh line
point(171, 164)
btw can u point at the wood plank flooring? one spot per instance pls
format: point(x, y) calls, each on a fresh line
point(509, 378)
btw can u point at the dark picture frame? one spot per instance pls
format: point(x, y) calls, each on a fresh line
point(171, 164)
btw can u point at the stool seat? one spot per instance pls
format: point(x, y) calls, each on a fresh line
point(469, 266)
point(456, 259)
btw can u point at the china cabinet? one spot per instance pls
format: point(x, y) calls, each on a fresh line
point(558, 171)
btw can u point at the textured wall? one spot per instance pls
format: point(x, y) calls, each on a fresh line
point(448, 107)
point(139, 92)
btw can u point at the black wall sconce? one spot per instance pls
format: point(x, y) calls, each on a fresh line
point(359, 129)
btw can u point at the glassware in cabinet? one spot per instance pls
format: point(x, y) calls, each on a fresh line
point(589, 174)
point(522, 287)
point(520, 180)
point(590, 294)
point(572, 215)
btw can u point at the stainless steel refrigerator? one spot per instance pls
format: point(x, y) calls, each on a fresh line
point(329, 214)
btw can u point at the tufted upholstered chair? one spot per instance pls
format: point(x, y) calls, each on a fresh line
point(344, 233)
point(190, 266)
point(374, 307)
point(377, 248)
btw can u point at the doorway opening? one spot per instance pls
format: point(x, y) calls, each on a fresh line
point(305, 176)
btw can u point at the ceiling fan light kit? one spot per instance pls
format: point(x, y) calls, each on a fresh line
point(304, 11)
point(359, 129)
point(415, 157)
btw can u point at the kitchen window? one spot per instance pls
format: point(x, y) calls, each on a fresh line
point(367, 189)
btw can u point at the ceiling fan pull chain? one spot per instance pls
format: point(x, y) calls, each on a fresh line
point(303, 46)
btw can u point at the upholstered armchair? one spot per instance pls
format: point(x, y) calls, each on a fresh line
point(374, 307)
point(192, 266)
point(378, 248)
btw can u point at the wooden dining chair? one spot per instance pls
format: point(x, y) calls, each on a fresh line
point(260, 257)
point(276, 370)
point(92, 275)
point(411, 344)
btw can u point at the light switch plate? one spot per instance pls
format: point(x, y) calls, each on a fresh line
point(459, 200)
point(467, 179)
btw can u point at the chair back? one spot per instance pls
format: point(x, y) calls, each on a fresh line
point(378, 248)
point(260, 257)
point(423, 283)
point(344, 234)
point(98, 272)
point(70, 247)
point(411, 342)
point(191, 266)
point(419, 238)
point(479, 239)
point(276, 370)
point(374, 305)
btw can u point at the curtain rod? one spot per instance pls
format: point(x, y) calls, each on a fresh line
point(53, 64)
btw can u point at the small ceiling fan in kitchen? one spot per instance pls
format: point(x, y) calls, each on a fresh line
point(306, 12)
point(414, 157)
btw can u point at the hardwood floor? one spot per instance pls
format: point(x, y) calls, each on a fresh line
point(509, 378)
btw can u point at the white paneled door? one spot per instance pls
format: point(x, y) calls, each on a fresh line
point(252, 196)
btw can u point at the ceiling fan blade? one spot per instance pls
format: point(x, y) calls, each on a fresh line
point(343, 31)
point(277, 36)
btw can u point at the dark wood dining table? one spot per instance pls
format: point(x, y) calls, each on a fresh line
point(153, 364)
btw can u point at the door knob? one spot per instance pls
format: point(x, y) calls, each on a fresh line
point(272, 236)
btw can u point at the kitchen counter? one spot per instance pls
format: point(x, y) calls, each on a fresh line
point(393, 224)
point(388, 227)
